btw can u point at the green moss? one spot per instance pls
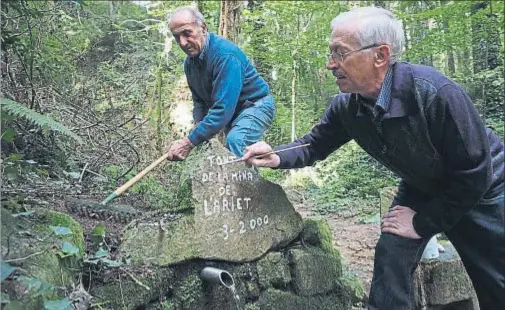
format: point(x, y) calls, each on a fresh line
point(54, 218)
point(352, 284)
point(159, 247)
point(273, 270)
point(126, 294)
point(280, 300)
point(252, 307)
point(189, 293)
point(42, 262)
point(166, 305)
point(318, 233)
point(314, 271)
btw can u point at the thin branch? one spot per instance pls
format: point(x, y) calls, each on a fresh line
point(141, 21)
point(136, 280)
point(121, 290)
point(82, 173)
point(24, 258)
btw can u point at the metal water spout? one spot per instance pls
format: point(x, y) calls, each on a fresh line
point(221, 277)
point(218, 276)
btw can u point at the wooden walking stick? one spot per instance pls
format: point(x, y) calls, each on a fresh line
point(134, 180)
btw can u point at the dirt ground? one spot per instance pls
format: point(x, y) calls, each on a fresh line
point(355, 241)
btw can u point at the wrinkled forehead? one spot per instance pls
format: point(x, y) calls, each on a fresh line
point(182, 21)
point(343, 37)
point(177, 29)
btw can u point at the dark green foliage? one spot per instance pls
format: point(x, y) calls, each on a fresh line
point(14, 108)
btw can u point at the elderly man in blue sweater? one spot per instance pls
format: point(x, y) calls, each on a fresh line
point(422, 126)
point(228, 93)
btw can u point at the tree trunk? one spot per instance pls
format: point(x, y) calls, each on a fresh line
point(229, 19)
point(293, 99)
point(259, 42)
point(451, 66)
point(111, 9)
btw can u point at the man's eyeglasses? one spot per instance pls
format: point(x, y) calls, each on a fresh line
point(339, 57)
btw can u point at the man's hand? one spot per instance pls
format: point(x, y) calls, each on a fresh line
point(398, 221)
point(260, 148)
point(180, 149)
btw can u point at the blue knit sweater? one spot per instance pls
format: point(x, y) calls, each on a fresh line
point(223, 82)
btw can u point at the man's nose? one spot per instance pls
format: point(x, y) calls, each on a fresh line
point(331, 64)
point(182, 41)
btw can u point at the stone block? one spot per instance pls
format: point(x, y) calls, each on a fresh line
point(238, 217)
point(443, 283)
point(273, 299)
point(314, 271)
point(273, 270)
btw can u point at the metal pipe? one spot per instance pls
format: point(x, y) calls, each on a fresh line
point(218, 276)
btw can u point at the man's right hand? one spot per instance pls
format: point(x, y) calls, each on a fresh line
point(259, 148)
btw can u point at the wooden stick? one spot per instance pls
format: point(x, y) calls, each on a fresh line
point(266, 154)
point(135, 179)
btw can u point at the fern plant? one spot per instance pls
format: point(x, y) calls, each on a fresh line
point(13, 108)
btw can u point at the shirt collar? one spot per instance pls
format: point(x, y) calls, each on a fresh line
point(396, 96)
point(385, 93)
point(382, 102)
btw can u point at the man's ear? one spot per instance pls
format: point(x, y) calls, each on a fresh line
point(382, 55)
point(204, 27)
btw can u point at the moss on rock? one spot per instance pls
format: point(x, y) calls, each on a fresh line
point(125, 293)
point(314, 271)
point(352, 284)
point(280, 300)
point(37, 256)
point(273, 270)
point(188, 295)
point(146, 243)
point(318, 233)
point(54, 218)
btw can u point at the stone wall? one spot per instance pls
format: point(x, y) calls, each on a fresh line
point(305, 275)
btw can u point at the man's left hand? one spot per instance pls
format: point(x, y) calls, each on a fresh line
point(180, 149)
point(398, 221)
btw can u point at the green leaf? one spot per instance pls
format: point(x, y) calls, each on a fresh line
point(35, 285)
point(99, 230)
point(62, 304)
point(69, 248)
point(7, 270)
point(61, 231)
point(111, 263)
point(15, 108)
point(11, 173)
point(91, 261)
point(8, 135)
point(15, 156)
point(101, 253)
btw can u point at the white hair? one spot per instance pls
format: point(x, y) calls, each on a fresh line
point(199, 19)
point(375, 26)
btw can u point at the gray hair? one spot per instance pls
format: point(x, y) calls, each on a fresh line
point(375, 25)
point(199, 19)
